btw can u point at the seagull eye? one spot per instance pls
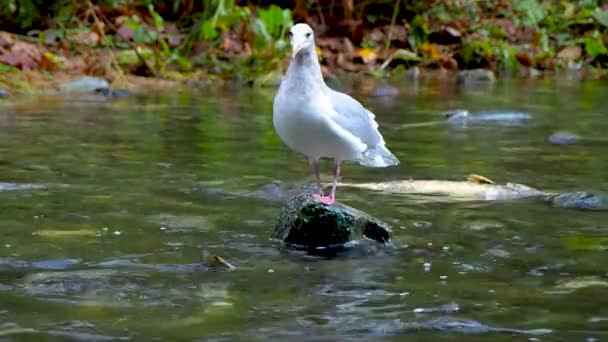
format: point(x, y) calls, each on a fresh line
point(308, 35)
point(289, 34)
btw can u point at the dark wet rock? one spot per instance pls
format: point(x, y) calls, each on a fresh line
point(445, 36)
point(461, 116)
point(85, 84)
point(473, 76)
point(305, 223)
point(579, 200)
point(112, 93)
point(563, 138)
point(384, 90)
point(3, 93)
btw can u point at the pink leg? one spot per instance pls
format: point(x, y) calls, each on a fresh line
point(332, 196)
point(314, 165)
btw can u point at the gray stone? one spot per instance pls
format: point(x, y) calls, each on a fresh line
point(579, 200)
point(384, 90)
point(563, 138)
point(305, 223)
point(476, 76)
point(84, 84)
point(3, 93)
point(461, 116)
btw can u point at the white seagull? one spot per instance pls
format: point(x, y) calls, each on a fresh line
point(317, 121)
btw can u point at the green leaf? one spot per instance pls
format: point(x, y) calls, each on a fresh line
point(419, 31)
point(532, 11)
point(277, 20)
point(595, 47)
point(158, 20)
point(208, 30)
point(601, 17)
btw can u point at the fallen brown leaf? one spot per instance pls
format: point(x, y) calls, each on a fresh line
point(21, 55)
point(5, 39)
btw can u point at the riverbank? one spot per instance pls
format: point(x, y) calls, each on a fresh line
point(136, 45)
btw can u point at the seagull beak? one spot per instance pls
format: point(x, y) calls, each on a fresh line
point(297, 46)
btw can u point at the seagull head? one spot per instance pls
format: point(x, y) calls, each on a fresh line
point(302, 38)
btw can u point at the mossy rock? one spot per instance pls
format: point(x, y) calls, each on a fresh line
point(305, 223)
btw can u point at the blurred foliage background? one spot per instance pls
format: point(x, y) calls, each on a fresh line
point(228, 37)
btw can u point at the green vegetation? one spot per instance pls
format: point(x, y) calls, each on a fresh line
point(228, 38)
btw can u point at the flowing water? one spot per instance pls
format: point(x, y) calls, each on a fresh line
point(109, 248)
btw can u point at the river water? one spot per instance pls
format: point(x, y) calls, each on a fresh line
point(107, 244)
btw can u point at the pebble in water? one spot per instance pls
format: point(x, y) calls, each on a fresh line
point(427, 266)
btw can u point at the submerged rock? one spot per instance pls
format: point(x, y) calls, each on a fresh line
point(461, 116)
point(472, 76)
point(85, 84)
point(563, 138)
point(112, 93)
point(3, 93)
point(579, 200)
point(384, 90)
point(16, 186)
point(305, 223)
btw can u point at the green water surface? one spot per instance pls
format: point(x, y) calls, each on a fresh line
point(110, 248)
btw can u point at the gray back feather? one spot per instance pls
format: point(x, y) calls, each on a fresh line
point(353, 117)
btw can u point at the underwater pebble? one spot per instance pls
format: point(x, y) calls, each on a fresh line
point(422, 224)
point(117, 233)
point(271, 271)
point(427, 266)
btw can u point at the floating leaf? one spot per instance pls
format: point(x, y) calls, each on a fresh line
point(474, 178)
point(215, 261)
